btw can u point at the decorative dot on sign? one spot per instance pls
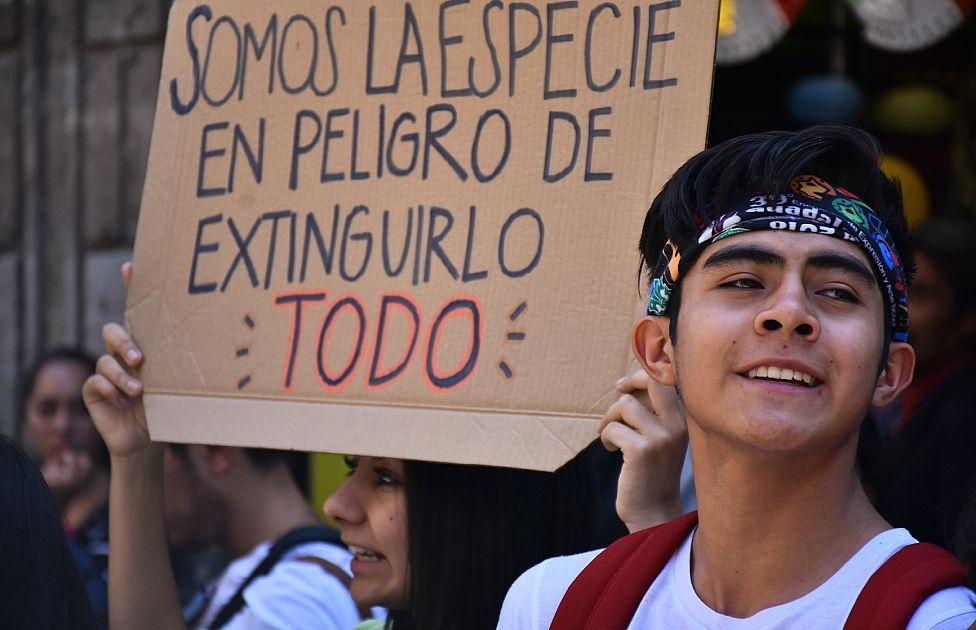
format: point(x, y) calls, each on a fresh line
point(249, 322)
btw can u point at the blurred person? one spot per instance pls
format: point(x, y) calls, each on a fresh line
point(287, 571)
point(72, 458)
point(40, 587)
point(918, 455)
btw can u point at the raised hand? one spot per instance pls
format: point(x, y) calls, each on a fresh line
point(647, 425)
point(114, 396)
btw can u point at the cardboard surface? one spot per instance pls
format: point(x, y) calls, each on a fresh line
point(406, 230)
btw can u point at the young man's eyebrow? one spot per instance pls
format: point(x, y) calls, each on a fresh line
point(744, 254)
point(842, 262)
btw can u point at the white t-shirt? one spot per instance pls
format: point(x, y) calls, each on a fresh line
point(294, 595)
point(671, 601)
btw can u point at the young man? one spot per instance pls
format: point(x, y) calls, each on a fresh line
point(778, 266)
point(244, 500)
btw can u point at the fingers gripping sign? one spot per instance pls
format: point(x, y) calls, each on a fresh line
point(647, 425)
point(114, 396)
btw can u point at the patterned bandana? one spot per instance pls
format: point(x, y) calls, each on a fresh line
point(812, 206)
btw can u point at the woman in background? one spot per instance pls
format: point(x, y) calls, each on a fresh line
point(72, 459)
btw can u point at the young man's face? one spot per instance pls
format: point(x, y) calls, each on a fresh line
point(769, 302)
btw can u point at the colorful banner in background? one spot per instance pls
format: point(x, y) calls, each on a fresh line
point(748, 28)
point(907, 25)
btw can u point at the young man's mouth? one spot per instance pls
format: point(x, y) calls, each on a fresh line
point(783, 375)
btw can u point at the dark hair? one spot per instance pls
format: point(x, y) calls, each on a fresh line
point(64, 354)
point(39, 581)
point(764, 164)
point(473, 530)
point(951, 245)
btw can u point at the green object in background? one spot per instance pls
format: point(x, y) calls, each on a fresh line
point(915, 110)
point(326, 472)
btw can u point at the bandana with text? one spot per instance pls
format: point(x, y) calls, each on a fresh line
point(812, 206)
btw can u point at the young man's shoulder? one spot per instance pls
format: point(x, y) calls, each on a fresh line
point(299, 592)
point(532, 600)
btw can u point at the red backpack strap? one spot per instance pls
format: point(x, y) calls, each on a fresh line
point(606, 594)
point(896, 590)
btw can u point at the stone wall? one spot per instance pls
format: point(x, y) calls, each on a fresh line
point(78, 81)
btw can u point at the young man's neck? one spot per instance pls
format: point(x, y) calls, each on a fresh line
point(263, 506)
point(773, 528)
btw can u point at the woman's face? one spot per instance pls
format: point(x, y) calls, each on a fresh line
point(56, 416)
point(371, 510)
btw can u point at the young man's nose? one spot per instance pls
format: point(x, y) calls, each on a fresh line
point(790, 312)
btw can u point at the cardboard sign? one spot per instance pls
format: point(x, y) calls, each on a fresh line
point(406, 229)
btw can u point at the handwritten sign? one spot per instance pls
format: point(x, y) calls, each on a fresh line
point(406, 229)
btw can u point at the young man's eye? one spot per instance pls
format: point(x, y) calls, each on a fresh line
point(742, 283)
point(843, 295)
point(352, 463)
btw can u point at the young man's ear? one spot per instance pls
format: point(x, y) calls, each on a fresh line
point(652, 347)
point(896, 375)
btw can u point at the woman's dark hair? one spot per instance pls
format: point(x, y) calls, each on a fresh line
point(39, 584)
point(66, 354)
point(57, 355)
point(473, 530)
point(764, 164)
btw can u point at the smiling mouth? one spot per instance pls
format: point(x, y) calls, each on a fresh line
point(783, 375)
point(365, 555)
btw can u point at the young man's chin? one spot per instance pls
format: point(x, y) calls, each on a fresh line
point(782, 434)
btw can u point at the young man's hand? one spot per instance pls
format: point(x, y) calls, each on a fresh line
point(647, 425)
point(113, 396)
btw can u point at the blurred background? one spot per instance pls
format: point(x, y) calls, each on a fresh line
point(78, 82)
